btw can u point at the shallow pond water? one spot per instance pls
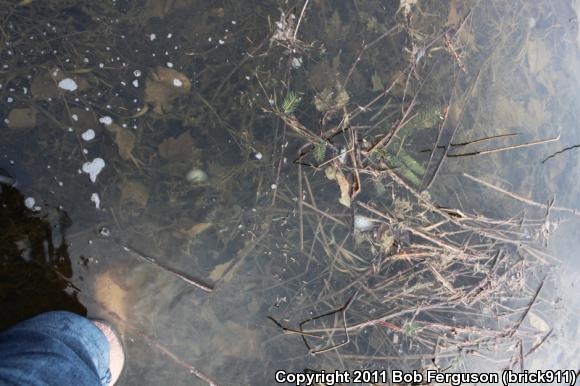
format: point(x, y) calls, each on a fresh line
point(192, 171)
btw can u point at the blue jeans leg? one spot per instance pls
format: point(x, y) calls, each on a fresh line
point(55, 348)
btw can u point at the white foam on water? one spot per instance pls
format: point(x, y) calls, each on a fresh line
point(93, 168)
point(68, 84)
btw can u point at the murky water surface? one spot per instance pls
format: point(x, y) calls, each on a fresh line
point(245, 187)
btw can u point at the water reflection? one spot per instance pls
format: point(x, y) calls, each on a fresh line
point(35, 263)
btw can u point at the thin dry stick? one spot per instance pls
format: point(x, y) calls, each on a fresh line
point(248, 56)
point(327, 215)
point(366, 323)
point(360, 109)
point(282, 149)
point(310, 192)
point(242, 254)
point(505, 148)
point(480, 140)
point(416, 232)
point(439, 165)
point(528, 308)
point(520, 198)
point(560, 152)
point(537, 345)
point(441, 279)
point(183, 363)
point(440, 130)
point(300, 18)
point(364, 49)
point(300, 207)
point(429, 205)
point(181, 275)
point(391, 133)
point(289, 330)
point(342, 310)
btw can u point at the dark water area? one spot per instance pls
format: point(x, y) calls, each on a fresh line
point(246, 187)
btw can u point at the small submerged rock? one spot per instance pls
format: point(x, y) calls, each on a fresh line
point(68, 84)
point(196, 175)
point(363, 223)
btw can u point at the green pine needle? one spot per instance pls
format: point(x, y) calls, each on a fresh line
point(291, 102)
point(319, 152)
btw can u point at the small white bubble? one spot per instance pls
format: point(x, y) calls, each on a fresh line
point(96, 200)
point(29, 202)
point(106, 120)
point(88, 135)
point(177, 82)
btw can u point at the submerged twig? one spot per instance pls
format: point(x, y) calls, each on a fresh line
point(181, 275)
point(520, 198)
point(505, 148)
point(516, 326)
point(560, 152)
point(300, 18)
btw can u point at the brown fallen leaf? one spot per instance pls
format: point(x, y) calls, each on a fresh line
point(157, 9)
point(337, 175)
point(453, 16)
point(134, 192)
point(45, 85)
point(198, 229)
point(178, 148)
point(125, 141)
point(163, 85)
point(80, 118)
point(24, 118)
point(219, 271)
point(217, 12)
